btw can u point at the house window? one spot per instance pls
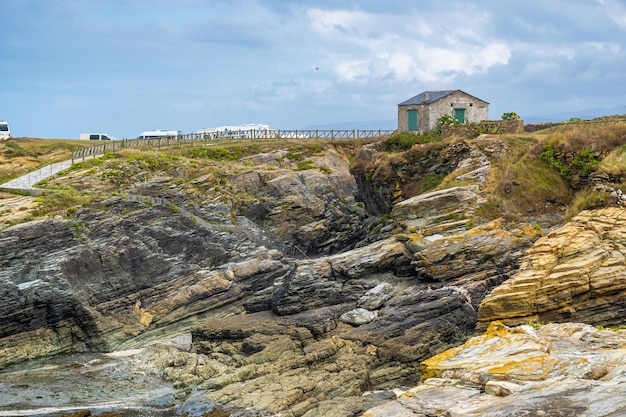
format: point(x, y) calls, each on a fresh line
point(412, 120)
point(459, 115)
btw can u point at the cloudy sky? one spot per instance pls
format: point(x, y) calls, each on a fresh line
point(124, 66)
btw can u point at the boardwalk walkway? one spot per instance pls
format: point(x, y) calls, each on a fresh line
point(26, 183)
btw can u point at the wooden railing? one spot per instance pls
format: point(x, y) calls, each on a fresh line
point(204, 138)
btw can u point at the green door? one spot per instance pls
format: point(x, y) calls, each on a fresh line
point(459, 115)
point(412, 120)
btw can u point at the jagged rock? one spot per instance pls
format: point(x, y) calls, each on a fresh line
point(376, 297)
point(557, 370)
point(337, 279)
point(426, 209)
point(313, 211)
point(439, 213)
point(573, 273)
point(358, 316)
point(320, 358)
point(380, 178)
point(475, 167)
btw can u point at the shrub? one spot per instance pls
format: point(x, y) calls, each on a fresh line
point(549, 157)
point(306, 164)
point(298, 153)
point(510, 116)
point(446, 120)
point(586, 160)
point(59, 201)
point(429, 182)
point(230, 153)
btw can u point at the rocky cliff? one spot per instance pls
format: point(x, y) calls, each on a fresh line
point(314, 280)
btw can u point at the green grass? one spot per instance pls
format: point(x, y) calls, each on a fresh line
point(60, 201)
point(405, 141)
point(299, 153)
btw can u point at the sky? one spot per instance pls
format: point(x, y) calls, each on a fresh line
point(126, 66)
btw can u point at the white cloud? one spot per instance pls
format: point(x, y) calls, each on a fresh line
point(611, 47)
point(405, 48)
point(616, 11)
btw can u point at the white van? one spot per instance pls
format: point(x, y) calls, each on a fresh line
point(153, 134)
point(96, 136)
point(5, 132)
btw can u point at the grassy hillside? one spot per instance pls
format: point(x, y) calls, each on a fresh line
point(545, 173)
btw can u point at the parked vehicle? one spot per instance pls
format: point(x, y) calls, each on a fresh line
point(5, 132)
point(96, 136)
point(153, 134)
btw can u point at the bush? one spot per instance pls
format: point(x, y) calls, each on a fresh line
point(446, 120)
point(587, 200)
point(586, 160)
point(59, 201)
point(549, 157)
point(510, 116)
point(219, 154)
point(305, 165)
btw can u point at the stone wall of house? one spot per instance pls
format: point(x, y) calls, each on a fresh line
point(428, 115)
point(471, 130)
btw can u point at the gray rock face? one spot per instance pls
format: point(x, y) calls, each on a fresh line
point(105, 282)
point(312, 211)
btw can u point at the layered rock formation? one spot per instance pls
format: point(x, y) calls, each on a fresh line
point(104, 279)
point(575, 273)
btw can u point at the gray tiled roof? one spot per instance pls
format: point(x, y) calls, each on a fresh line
point(432, 96)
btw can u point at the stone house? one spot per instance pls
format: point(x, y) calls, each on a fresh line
point(420, 114)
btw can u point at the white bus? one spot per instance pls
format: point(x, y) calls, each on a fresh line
point(153, 134)
point(96, 136)
point(5, 132)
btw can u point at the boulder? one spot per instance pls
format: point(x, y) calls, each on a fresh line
point(358, 316)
